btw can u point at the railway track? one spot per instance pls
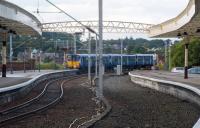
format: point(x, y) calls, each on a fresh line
point(51, 94)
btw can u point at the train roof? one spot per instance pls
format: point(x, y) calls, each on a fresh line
point(115, 54)
point(145, 54)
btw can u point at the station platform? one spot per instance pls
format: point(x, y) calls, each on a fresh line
point(20, 77)
point(194, 79)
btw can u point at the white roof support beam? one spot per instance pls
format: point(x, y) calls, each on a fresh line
point(108, 27)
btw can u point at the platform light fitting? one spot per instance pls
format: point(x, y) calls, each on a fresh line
point(198, 30)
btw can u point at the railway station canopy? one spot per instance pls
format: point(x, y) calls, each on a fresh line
point(188, 21)
point(19, 20)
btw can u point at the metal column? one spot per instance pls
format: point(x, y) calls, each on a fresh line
point(89, 56)
point(170, 64)
point(55, 53)
point(11, 52)
point(186, 58)
point(100, 95)
point(4, 41)
point(96, 58)
point(67, 44)
point(75, 49)
point(166, 56)
point(24, 60)
point(121, 71)
point(39, 68)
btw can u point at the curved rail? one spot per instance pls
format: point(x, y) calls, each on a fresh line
point(22, 107)
point(27, 102)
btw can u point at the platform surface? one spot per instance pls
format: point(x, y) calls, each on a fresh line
point(194, 79)
point(20, 77)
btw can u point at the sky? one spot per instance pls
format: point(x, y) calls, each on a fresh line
point(143, 11)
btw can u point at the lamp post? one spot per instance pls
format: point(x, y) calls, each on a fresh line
point(24, 61)
point(96, 57)
point(170, 64)
point(4, 47)
point(186, 57)
point(41, 47)
point(75, 49)
point(100, 49)
point(187, 40)
point(121, 71)
point(39, 68)
point(55, 52)
point(89, 57)
point(166, 66)
point(11, 51)
point(34, 58)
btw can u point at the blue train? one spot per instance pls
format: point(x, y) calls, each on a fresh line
point(136, 61)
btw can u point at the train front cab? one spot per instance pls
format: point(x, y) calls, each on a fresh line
point(73, 62)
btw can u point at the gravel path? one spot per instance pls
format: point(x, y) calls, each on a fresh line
point(137, 107)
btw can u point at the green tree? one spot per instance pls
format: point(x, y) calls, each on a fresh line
point(177, 53)
point(194, 52)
